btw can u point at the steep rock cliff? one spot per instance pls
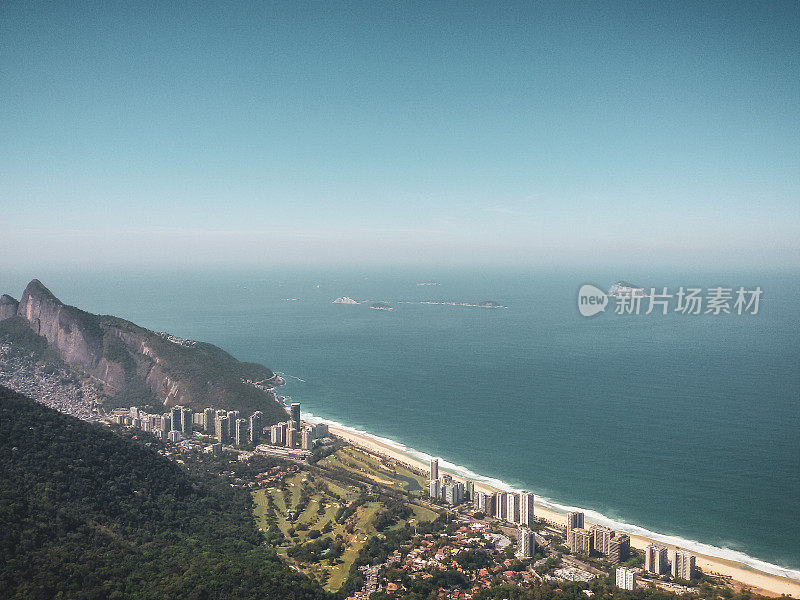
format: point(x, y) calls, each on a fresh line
point(135, 365)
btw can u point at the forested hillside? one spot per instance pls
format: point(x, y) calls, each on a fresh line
point(86, 514)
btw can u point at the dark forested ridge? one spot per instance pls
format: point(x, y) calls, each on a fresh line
point(85, 513)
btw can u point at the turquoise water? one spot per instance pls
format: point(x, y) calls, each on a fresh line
point(686, 426)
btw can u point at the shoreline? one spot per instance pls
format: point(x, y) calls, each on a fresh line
point(739, 572)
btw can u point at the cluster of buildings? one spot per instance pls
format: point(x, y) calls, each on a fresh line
point(181, 422)
point(292, 434)
point(612, 544)
point(506, 506)
point(227, 426)
point(657, 563)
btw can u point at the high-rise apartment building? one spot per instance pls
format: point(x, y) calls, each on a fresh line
point(526, 545)
point(232, 416)
point(526, 516)
point(292, 437)
point(223, 430)
point(256, 427)
point(602, 538)
point(295, 412)
point(240, 429)
point(655, 559)
point(619, 548)
point(208, 421)
point(512, 512)
point(500, 505)
point(433, 489)
point(626, 579)
point(574, 521)
point(175, 417)
point(307, 439)
point(581, 541)
point(434, 468)
point(277, 434)
point(187, 422)
point(683, 564)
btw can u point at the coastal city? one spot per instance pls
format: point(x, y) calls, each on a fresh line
point(522, 546)
point(485, 537)
point(289, 439)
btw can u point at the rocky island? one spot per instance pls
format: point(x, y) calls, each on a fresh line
point(381, 306)
point(623, 289)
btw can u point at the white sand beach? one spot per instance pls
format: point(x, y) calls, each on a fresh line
point(742, 575)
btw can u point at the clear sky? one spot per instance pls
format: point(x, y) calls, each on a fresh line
point(232, 133)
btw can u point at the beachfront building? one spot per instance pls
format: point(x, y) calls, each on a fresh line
point(433, 489)
point(626, 579)
point(683, 564)
point(655, 559)
point(526, 546)
point(581, 541)
point(574, 521)
point(513, 508)
point(453, 493)
point(295, 412)
point(292, 437)
point(500, 505)
point(619, 548)
point(434, 468)
point(479, 501)
point(320, 431)
point(489, 510)
point(307, 439)
point(602, 538)
point(277, 434)
point(470, 493)
point(526, 508)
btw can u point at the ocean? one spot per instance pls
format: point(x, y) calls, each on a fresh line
point(687, 426)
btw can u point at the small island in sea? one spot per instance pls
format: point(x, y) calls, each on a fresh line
point(484, 304)
point(345, 300)
point(427, 283)
point(623, 289)
point(381, 306)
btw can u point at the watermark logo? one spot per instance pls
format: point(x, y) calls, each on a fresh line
point(632, 300)
point(591, 300)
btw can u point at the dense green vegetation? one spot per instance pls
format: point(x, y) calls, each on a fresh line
point(85, 514)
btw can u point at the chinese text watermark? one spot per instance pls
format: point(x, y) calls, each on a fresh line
point(631, 300)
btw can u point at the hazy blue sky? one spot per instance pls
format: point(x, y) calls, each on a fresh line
point(223, 132)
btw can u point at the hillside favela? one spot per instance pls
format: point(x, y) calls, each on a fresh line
point(400, 301)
